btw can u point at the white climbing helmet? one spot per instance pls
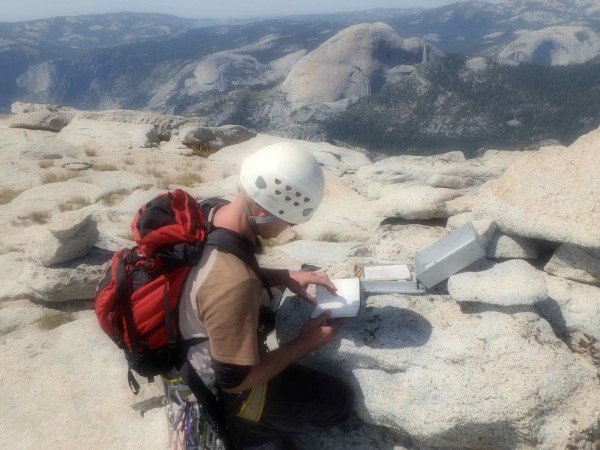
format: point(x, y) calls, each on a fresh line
point(284, 179)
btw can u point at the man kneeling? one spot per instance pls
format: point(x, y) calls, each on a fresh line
point(266, 394)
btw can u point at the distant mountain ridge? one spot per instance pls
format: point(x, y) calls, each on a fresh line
point(278, 75)
point(472, 27)
point(23, 44)
point(559, 45)
point(92, 31)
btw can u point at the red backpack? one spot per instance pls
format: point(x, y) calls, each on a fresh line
point(138, 293)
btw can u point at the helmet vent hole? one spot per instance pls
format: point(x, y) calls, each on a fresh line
point(281, 211)
point(296, 204)
point(277, 181)
point(298, 194)
point(288, 188)
point(260, 183)
point(307, 212)
point(277, 192)
point(306, 199)
point(287, 198)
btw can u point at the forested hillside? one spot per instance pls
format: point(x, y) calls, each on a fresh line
point(452, 105)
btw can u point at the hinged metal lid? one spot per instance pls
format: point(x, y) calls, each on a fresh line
point(448, 255)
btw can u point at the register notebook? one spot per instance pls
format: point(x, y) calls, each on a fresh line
point(387, 272)
point(345, 303)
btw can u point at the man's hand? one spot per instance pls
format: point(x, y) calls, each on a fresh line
point(298, 282)
point(317, 332)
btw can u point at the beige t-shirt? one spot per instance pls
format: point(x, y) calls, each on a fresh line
point(221, 300)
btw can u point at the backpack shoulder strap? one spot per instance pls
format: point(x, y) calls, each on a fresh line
point(234, 243)
point(209, 203)
point(230, 241)
point(209, 207)
point(237, 245)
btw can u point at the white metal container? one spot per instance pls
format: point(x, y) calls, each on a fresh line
point(435, 263)
point(448, 255)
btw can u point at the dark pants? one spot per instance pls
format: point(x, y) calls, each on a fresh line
point(297, 400)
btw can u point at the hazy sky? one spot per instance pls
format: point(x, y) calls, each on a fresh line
point(18, 10)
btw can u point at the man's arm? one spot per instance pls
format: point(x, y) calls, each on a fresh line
point(316, 333)
point(275, 276)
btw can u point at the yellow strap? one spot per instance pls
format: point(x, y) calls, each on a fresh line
point(171, 380)
point(253, 406)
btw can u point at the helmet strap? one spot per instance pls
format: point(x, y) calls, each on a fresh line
point(252, 219)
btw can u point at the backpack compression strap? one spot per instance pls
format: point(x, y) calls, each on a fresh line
point(123, 300)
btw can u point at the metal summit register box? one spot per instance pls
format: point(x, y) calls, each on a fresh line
point(434, 264)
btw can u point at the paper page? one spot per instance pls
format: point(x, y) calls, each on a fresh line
point(345, 304)
point(387, 272)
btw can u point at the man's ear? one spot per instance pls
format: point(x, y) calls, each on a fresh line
point(261, 212)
